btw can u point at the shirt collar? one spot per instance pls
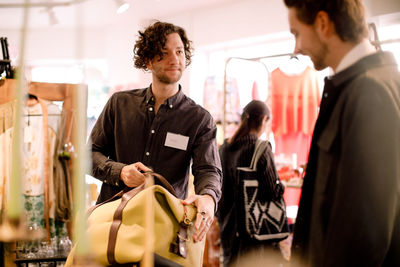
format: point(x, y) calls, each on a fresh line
point(170, 102)
point(361, 50)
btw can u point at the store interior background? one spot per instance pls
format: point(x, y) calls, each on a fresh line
point(99, 51)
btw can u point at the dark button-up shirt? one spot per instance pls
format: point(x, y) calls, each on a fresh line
point(181, 133)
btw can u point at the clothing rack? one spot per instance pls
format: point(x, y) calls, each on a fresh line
point(374, 41)
point(5, 63)
point(254, 59)
point(67, 93)
point(31, 115)
point(390, 41)
point(375, 38)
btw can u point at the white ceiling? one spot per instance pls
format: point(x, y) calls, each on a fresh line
point(95, 13)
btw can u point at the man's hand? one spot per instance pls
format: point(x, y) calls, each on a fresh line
point(205, 214)
point(131, 175)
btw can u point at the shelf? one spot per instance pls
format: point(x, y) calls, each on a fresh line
point(25, 262)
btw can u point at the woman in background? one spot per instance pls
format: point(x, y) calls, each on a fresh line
point(237, 151)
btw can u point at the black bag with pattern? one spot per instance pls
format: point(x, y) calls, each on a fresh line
point(264, 220)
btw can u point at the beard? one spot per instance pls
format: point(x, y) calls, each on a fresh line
point(167, 79)
point(319, 55)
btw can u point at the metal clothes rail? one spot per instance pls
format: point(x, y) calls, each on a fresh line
point(254, 59)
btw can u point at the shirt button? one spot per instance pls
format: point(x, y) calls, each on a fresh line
point(152, 131)
point(147, 153)
point(325, 95)
point(150, 108)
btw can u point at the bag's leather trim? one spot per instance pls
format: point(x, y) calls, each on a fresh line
point(117, 219)
point(159, 261)
point(114, 197)
point(179, 247)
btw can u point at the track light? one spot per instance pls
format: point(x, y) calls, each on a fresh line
point(122, 6)
point(52, 16)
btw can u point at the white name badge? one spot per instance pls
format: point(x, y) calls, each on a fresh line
point(176, 141)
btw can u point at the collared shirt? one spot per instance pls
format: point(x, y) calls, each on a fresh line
point(361, 50)
point(181, 133)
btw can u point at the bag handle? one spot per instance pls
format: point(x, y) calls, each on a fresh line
point(259, 149)
point(117, 219)
point(164, 182)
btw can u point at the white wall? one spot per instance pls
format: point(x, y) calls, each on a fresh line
point(234, 21)
point(226, 22)
point(115, 41)
point(56, 43)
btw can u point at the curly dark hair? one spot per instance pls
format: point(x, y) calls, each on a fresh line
point(152, 40)
point(348, 16)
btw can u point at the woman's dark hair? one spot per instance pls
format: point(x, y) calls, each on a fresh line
point(251, 119)
point(152, 41)
point(348, 16)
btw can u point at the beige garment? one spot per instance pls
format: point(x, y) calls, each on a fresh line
point(53, 125)
point(41, 121)
point(33, 151)
point(6, 130)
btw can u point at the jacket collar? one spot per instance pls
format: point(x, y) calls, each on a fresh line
point(377, 59)
point(363, 49)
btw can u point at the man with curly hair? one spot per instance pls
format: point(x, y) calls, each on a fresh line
point(349, 212)
point(159, 128)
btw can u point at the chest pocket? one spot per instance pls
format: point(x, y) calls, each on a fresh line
point(328, 153)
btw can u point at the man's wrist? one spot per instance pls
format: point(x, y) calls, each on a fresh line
point(213, 200)
point(115, 174)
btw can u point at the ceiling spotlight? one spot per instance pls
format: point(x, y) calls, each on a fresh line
point(52, 16)
point(122, 6)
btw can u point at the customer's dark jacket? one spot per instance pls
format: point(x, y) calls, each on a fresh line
point(349, 213)
point(239, 154)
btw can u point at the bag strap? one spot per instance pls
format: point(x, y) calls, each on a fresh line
point(117, 219)
point(114, 197)
point(259, 149)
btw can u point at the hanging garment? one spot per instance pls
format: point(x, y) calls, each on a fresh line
point(213, 98)
point(6, 130)
point(232, 109)
point(33, 151)
point(294, 101)
point(254, 92)
point(294, 143)
point(38, 146)
point(62, 176)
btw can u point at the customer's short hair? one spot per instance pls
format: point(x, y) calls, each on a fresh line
point(152, 41)
point(348, 16)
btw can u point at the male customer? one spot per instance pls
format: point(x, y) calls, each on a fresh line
point(349, 213)
point(159, 128)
